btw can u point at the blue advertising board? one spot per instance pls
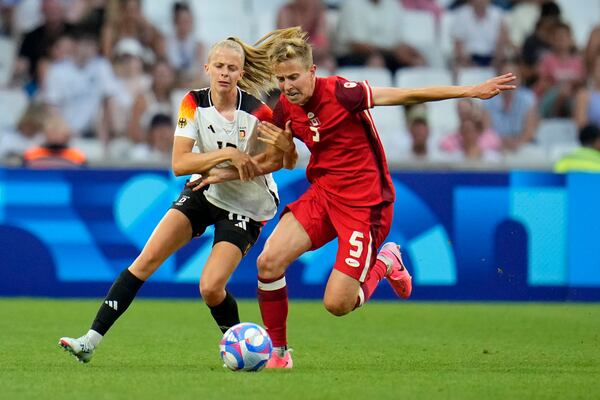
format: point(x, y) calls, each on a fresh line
point(465, 236)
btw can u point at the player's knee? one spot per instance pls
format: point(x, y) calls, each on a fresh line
point(269, 266)
point(146, 263)
point(337, 308)
point(211, 294)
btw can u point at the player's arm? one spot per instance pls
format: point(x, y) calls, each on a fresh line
point(281, 143)
point(281, 152)
point(388, 96)
point(186, 162)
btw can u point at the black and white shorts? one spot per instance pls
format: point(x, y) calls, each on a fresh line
point(233, 228)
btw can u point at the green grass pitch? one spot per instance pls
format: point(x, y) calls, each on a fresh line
point(387, 350)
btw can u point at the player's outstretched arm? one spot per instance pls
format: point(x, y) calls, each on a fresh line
point(388, 96)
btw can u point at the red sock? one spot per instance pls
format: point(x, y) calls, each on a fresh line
point(273, 303)
point(367, 288)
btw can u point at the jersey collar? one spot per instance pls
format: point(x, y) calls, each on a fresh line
point(239, 98)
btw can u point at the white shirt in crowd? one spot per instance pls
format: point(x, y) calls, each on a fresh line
point(78, 91)
point(365, 22)
point(479, 36)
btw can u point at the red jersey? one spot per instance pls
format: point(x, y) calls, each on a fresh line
point(347, 159)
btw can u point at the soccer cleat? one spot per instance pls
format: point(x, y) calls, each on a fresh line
point(280, 361)
point(397, 275)
point(80, 348)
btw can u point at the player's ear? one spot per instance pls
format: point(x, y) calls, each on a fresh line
point(313, 69)
point(206, 68)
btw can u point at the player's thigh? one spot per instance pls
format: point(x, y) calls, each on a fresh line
point(287, 242)
point(341, 293)
point(222, 262)
point(361, 230)
point(172, 232)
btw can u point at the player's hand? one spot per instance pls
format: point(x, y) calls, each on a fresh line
point(247, 167)
point(275, 136)
point(196, 184)
point(494, 86)
point(211, 177)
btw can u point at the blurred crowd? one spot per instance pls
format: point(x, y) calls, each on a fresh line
point(99, 81)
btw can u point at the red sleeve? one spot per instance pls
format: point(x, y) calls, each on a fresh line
point(263, 113)
point(279, 115)
point(354, 96)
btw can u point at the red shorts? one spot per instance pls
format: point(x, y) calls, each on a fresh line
point(360, 230)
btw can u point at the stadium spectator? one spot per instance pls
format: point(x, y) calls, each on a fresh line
point(131, 81)
point(311, 15)
point(28, 133)
point(487, 139)
point(420, 149)
point(539, 42)
point(587, 100)
point(56, 151)
point(184, 51)
point(124, 18)
point(370, 33)
point(159, 145)
point(587, 157)
point(514, 115)
point(561, 72)
point(470, 144)
point(479, 34)
point(157, 100)
point(90, 15)
point(36, 44)
point(82, 87)
point(521, 19)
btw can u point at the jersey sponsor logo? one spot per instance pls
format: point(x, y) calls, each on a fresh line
point(210, 127)
point(352, 262)
point(182, 122)
point(350, 85)
point(314, 121)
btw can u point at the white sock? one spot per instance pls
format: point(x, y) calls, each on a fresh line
point(94, 338)
point(280, 350)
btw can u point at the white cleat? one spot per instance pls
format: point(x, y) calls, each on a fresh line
point(80, 348)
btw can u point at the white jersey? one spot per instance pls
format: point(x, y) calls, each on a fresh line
point(199, 120)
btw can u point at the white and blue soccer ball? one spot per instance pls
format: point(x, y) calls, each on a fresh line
point(246, 347)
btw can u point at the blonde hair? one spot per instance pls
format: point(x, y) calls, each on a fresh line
point(287, 44)
point(258, 59)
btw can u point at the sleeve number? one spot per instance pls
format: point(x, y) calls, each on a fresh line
point(316, 137)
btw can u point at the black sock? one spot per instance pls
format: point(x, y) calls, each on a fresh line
point(226, 314)
point(119, 297)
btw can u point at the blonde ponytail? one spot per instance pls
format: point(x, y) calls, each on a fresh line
point(258, 59)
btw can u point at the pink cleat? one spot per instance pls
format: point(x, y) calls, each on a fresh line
point(280, 361)
point(397, 275)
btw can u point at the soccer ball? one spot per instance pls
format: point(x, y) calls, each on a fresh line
point(246, 347)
